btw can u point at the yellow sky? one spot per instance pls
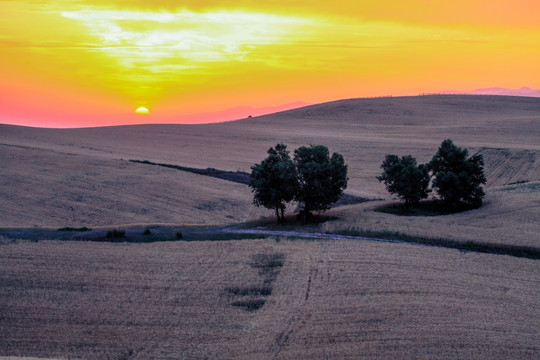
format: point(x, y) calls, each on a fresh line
point(71, 60)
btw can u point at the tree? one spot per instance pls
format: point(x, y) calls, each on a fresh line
point(274, 181)
point(321, 178)
point(457, 177)
point(404, 178)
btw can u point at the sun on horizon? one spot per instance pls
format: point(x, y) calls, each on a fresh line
point(142, 110)
point(70, 64)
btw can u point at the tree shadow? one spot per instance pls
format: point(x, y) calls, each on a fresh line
point(425, 208)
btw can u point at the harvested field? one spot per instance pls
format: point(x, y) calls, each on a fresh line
point(330, 299)
point(509, 216)
point(46, 188)
point(504, 166)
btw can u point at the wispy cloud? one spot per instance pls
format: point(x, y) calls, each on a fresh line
point(183, 39)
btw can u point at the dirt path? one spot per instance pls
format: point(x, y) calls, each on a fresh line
point(135, 234)
point(139, 234)
point(307, 235)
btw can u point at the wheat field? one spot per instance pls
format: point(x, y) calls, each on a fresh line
point(44, 188)
point(509, 216)
point(330, 299)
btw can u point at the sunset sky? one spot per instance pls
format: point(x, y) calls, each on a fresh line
point(73, 63)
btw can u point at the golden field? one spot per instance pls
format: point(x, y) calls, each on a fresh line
point(329, 299)
point(47, 188)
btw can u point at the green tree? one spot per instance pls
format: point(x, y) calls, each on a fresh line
point(457, 177)
point(321, 178)
point(404, 178)
point(274, 181)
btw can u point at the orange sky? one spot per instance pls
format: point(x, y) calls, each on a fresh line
point(71, 63)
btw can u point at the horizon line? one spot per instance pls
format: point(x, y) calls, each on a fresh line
point(277, 109)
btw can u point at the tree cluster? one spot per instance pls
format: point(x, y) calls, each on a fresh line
point(313, 178)
point(455, 177)
point(404, 178)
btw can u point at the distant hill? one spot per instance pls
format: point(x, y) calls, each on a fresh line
point(524, 91)
point(428, 110)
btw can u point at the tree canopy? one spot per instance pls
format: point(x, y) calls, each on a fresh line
point(313, 179)
point(404, 178)
point(321, 178)
point(274, 181)
point(457, 177)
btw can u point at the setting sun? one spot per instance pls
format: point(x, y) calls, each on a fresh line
point(142, 110)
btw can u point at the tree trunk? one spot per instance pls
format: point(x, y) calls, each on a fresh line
point(306, 214)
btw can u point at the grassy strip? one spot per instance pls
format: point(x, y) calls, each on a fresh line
point(487, 248)
point(219, 236)
point(115, 234)
point(214, 234)
point(186, 235)
point(234, 176)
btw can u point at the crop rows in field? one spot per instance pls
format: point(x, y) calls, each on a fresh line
point(338, 299)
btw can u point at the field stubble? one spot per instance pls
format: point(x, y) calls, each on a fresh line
point(46, 188)
point(337, 299)
point(509, 216)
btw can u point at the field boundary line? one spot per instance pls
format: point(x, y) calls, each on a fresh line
point(464, 246)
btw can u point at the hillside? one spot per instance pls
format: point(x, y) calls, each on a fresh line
point(281, 297)
point(76, 177)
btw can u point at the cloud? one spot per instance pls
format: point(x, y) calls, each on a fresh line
point(183, 38)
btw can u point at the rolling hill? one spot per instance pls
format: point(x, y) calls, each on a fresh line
point(76, 177)
point(279, 297)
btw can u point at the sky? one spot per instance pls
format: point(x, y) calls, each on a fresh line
point(80, 63)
